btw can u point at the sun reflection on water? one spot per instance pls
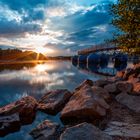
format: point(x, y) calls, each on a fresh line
point(42, 68)
point(48, 76)
point(35, 80)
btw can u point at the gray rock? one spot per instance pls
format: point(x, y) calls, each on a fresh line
point(101, 92)
point(124, 86)
point(112, 88)
point(132, 102)
point(9, 124)
point(84, 131)
point(19, 113)
point(54, 101)
point(101, 83)
point(24, 107)
point(47, 130)
point(123, 130)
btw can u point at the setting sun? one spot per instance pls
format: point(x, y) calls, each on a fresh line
point(44, 50)
point(41, 50)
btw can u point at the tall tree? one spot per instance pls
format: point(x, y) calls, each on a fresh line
point(126, 17)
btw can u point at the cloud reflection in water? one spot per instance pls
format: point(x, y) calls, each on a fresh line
point(36, 80)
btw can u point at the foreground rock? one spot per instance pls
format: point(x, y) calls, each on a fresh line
point(121, 113)
point(53, 101)
point(18, 113)
point(85, 104)
point(25, 107)
point(124, 86)
point(112, 88)
point(119, 86)
point(101, 92)
point(9, 124)
point(85, 83)
point(84, 131)
point(132, 102)
point(47, 130)
point(102, 83)
point(123, 130)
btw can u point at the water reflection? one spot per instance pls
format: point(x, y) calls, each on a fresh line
point(20, 80)
point(23, 134)
point(104, 69)
point(15, 66)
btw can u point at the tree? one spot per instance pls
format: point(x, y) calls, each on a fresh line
point(126, 17)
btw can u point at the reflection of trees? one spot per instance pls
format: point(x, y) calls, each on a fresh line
point(18, 66)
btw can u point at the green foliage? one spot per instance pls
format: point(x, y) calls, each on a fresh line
point(126, 17)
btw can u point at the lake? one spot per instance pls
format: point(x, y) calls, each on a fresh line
point(19, 80)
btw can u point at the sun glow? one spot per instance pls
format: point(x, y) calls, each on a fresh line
point(41, 50)
point(44, 68)
point(44, 50)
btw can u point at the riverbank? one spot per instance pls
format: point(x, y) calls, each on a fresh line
point(101, 110)
point(30, 61)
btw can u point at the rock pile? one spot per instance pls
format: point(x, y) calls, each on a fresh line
point(97, 110)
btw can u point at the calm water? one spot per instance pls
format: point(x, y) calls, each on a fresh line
point(17, 81)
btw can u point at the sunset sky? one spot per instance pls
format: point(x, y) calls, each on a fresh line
point(56, 27)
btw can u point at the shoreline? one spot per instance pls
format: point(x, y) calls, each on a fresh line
point(110, 107)
point(28, 62)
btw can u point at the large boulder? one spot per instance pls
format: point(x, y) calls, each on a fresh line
point(101, 83)
point(9, 124)
point(131, 101)
point(19, 113)
point(101, 92)
point(121, 113)
point(112, 88)
point(47, 130)
point(124, 86)
point(25, 108)
point(54, 101)
point(85, 105)
point(85, 83)
point(84, 131)
point(123, 130)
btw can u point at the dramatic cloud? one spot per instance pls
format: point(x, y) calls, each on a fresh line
point(66, 25)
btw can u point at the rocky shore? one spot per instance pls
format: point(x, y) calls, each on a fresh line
point(97, 110)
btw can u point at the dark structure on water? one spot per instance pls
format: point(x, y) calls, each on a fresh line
point(100, 55)
point(96, 59)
